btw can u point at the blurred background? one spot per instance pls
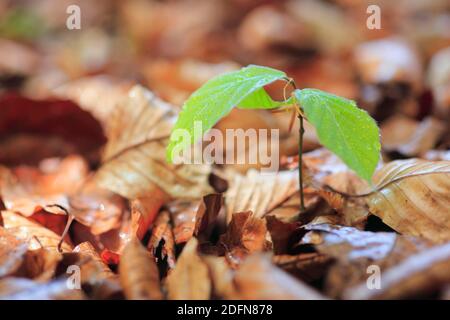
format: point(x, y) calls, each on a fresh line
point(400, 73)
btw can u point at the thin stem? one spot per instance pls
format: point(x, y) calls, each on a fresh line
point(301, 131)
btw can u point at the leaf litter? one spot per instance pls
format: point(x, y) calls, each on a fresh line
point(84, 179)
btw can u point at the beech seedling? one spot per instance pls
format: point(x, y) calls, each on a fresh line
point(341, 125)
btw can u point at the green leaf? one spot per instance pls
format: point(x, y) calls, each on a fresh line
point(216, 98)
point(343, 128)
point(259, 99)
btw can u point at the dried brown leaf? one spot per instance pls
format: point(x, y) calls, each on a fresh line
point(138, 273)
point(259, 279)
point(134, 161)
point(421, 274)
point(36, 235)
point(12, 252)
point(413, 198)
point(189, 280)
point(355, 250)
point(259, 193)
point(245, 234)
point(162, 235)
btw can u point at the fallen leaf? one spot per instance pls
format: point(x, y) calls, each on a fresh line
point(144, 211)
point(245, 234)
point(259, 279)
point(422, 273)
point(138, 273)
point(36, 235)
point(162, 236)
point(282, 234)
point(12, 253)
point(134, 163)
point(189, 280)
point(258, 192)
point(412, 197)
point(356, 250)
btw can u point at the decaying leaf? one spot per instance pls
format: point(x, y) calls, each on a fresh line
point(12, 252)
point(138, 273)
point(356, 250)
point(189, 280)
point(95, 270)
point(258, 278)
point(134, 162)
point(259, 193)
point(191, 218)
point(162, 235)
point(413, 197)
point(282, 234)
point(246, 234)
point(207, 213)
point(421, 273)
point(144, 210)
point(183, 214)
point(36, 235)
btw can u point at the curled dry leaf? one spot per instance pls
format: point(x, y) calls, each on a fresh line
point(95, 270)
point(134, 162)
point(412, 197)
point(259, 193)
point(99, 209)
point(41, 264)
point(25, 289)
point(245, 234)
point(282, 234)
point(207, 213)
point(104, 284)
point(356, 250)
point(12, 252)
point(425, 272)
point(259, 279)
point(162, 235)
point(138, 273)
point(190, 279)
point(183, 214)
point(192, 218)
point(36, 235)
point(144, 210)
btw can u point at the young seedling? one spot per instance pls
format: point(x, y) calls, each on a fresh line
point(341, 126)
